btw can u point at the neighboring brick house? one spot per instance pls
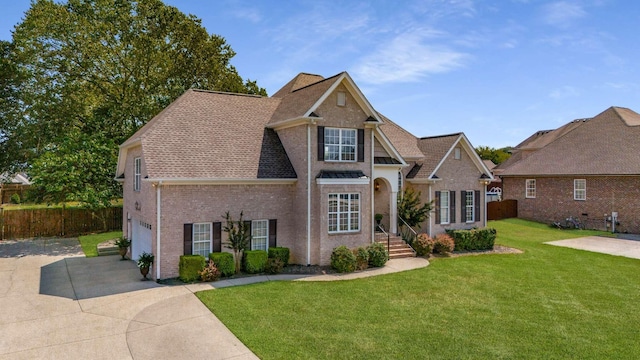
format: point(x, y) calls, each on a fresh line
point(588, 168)
point(308, 167)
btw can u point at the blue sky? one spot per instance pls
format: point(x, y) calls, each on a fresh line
point(496, 70)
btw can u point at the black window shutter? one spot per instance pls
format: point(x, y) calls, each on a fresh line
point(360, 145)
point(438, 207)
point(320, 143)
point(248, 224)
point(477, 205)
point(188, 239)
point(452, 207)
point(217, 237)
point(273, 229)
point(463, 206)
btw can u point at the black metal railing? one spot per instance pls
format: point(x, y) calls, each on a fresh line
point(406, 232)
point(381, 228)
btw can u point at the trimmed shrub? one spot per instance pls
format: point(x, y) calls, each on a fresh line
point(15, 198)
point(190, 267)
point(475, 239)
point(443, 244)
point(378, 255)
point(224, 262)
point(281, 253)
point(423, 245)
point(485, 238)
point(210, 272)
point(362, 258)
point(274, 266)
point(255, 261)
point(343, 260)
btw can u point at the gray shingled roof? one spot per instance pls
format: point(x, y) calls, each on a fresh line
point(434, 149)
point(607, 144)
point(403, 141)
point(298, 101)
point(206, 135)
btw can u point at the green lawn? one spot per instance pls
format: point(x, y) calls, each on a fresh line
point(547, 303)
point(90, 243)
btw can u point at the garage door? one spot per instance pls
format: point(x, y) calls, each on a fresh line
point(140, 239)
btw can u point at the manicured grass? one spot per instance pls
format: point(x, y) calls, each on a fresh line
point(90, 243)
point(546, 303)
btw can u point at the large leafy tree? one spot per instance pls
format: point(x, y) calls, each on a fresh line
point(86, 74)
point(498, 156)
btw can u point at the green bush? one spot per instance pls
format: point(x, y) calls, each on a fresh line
point(255, 261)
point(476, 239)
point(15, 198)
point(362, 258)
point(190, 267)
point(274, 266)
point(224, 262)
point(423, 245)
point(378, 255)
point(343, 260)
point(443, 244)
point(485, 238)
point(281, 253)
point(210, 272)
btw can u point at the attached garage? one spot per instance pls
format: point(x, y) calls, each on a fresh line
point(140, 238)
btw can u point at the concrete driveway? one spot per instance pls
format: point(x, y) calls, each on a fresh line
point(605, 245)
point(57, 304)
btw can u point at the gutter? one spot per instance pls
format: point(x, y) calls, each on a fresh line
point(309, 193)
point(158, 213)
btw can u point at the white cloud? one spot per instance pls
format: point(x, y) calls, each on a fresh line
point(562, 13)
point(251, 14)
point(564, 92)
point(407, 58)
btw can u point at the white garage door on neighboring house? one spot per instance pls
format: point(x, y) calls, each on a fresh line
point(140, 238)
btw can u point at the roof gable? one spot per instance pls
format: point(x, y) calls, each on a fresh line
point(604, 145)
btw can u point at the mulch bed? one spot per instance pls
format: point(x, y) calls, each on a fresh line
point(497, 249)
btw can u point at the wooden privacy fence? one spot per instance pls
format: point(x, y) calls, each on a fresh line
point(498, 210)
point(30, 223)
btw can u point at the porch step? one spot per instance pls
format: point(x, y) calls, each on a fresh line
point(397, 248)
point(108, 248)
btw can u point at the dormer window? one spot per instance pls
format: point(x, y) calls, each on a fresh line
point(342, 98)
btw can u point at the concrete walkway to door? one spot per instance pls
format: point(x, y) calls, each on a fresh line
point(601, 244)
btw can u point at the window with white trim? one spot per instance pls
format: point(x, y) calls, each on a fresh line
point(340, 144)
point(456, 153)
point(469, 207)
point(530, 188)
point(260, 235)
point(137, 173)
point(202, 236)
point(344, 212)
point(342, 98)
point(444, 207)
point(579, 189)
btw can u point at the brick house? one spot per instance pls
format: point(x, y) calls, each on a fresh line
point(308, 167)
point(588, 168)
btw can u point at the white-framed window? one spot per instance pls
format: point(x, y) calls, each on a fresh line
point(530, 188)
point(202, 239)
point(342, 98)
point(344, 212)
point(340, 144)
point(444, 207)
point(579, 189)
point(260, 235)
point(456, 153)
point(137, 173)
point(469, 206)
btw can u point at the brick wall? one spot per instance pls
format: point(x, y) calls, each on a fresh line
point(554, 199)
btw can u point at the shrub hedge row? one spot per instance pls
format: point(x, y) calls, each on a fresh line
point(190, 267)
point(224, 262)
point(475, 239)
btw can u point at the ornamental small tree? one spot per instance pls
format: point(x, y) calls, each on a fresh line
point(411, 210)
point(238, 238)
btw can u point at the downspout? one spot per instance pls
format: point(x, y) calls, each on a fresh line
point(371, 190)
point(485, 205)
point(309, 193)
point(429, 229)
point(158, 212)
